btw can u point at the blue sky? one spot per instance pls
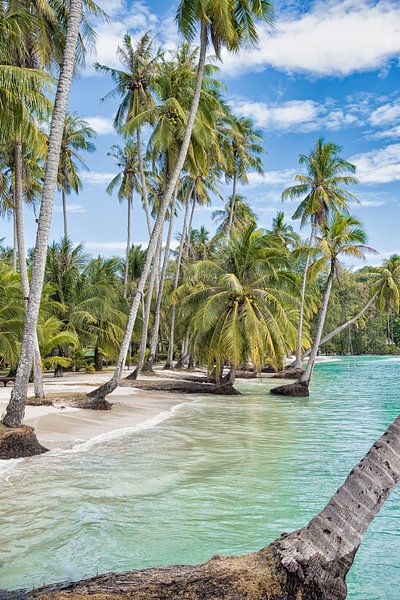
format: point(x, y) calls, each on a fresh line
point(328, 68)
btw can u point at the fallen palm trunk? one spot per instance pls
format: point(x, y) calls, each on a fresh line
point(183, 387)
point(308, 564)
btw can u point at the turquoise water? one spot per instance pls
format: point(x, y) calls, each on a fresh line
point(223, 475)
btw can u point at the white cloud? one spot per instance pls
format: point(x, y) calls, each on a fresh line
point(106, 245)
point(368, 203)
point(97, 178)
point(393, 132)
point(386, 114)
point(136, 19)
point(334, 38)
point(101, 125)
point(297, 115)
point(283, 177)
point(378, 166)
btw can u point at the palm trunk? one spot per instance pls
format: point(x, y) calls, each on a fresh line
point(346, 325)
point(297, 364)
point(157, 313)
point(306, 377)
point(20, 235)
point(232, 210)
point(145, 193)
point(147, 310)
point(14, 254)
point(128, 246)
point(16, 408)
point(188, 248)
point(64, 208)
point(170, 356)
point(98, 360)
point(111, 385)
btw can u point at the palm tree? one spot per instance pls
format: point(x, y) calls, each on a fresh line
point(232, 29)
point(16, 407)
point(243, 154)
point(236, 215)
point(284, 233)
point(77, 137)
point(127, 182)
point(385, 293)
point(323, 191)
point(240, 303)
point(134, 86)
point(341, 236)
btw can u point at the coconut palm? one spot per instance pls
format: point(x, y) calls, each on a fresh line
point(77, 137)
point(283, 232)
point(323, 189)
point(242, 143)
point(134, 86)
point(127, 182)
point(236, 215)
point(241, 303)
point(16, 408)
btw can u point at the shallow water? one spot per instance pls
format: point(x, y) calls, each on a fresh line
point(222, 475)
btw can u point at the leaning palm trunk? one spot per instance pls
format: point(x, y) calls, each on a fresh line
point(170, 356)
point(20, 234)
point(16, 408)
point(147, 310)
point(157, 313)
point(111, 385)
point(297, 364)
point(14, 253)
point(310, 564)
point(346, 325)
point(64, 209)
point(232, 210)
point(128, 245)
point(306, 377)
point(145, 193)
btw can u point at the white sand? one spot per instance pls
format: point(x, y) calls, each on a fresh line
point(58, 427)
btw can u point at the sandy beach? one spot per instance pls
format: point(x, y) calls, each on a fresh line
point(60, 426)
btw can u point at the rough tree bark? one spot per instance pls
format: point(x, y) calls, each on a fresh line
point(128, 246)
point(23, 270)
point(16, 408)
point(64, 209)
point(309, 564)
point(112, 384)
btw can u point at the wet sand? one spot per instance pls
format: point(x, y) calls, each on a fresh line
point(60, 426)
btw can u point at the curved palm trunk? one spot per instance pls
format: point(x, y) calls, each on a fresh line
point(111, 385)
point(157, 313)
point(170, 356)
point(128, 245)
point(297, 364)
point(145, 193)
point(346, 325)
point(64, 208)
point(147, 310)
point(232, 210)
point(16, 408)
point(20, 235)
point(306, 377)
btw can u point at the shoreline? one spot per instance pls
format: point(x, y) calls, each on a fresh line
point(62, 427)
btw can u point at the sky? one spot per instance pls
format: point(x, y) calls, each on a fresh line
point(328, 68)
